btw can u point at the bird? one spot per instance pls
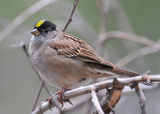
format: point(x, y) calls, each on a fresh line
point(64, 60)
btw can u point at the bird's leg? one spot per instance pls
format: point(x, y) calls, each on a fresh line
point(61, 96)
point(50, 102)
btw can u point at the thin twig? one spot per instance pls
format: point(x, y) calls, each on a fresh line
point(37, 96)
point(23, 16)
point(24, 47)
point(130, 37)
point(137, 53)
point(103, 27)
point(72, 12)
point(121, 17)
point(142, 99)
point(101, 85)
point(77, 104)
point(153, 46)
point(95, 101)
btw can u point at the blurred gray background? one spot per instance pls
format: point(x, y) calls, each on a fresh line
point(18, 81)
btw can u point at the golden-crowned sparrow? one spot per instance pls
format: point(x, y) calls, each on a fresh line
point(64, 60)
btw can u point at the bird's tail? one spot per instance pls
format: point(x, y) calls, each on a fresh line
point(124, 72)
point(106, 71)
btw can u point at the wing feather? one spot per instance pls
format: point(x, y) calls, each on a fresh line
point(72, 47)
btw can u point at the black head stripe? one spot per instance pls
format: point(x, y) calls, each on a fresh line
point(47, 25)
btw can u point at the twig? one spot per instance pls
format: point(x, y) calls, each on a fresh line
point(142, 99)
point(24, 47)
point(38, 95)
point(130, 37)
point(72, 12)
point(103, 27)
point(143, 87)
point(23, 16)
point(153, 46)
point(41, 108)
point(76, 105)
point(119, 14)
point(122, 20)
point(137, 53)
point(101, 85)
point(95, 101)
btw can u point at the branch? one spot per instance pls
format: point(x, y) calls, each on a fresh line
point(95, 101)
point(130, 37)
point(121, 17)
point(37, 96)
point(23, 16)
point(99, 86)
point(102, 98)
point(152, 46)
point(77, 104)
point(72, 12)
point(138, 53)
point(103, 27)
point(142, 99)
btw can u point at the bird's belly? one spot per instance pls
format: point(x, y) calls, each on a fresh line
point(60, 72)
point(65, 72)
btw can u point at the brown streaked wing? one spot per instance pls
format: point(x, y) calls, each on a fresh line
point(72, 47)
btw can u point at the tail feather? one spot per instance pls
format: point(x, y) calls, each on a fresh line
point(114, 69)
point(124, 72)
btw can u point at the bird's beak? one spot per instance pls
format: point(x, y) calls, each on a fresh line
point(35, 32)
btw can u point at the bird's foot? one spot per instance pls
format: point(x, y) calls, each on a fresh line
point(61, 97)
point(50, 103)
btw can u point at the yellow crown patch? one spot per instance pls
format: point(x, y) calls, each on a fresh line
point(39, 23)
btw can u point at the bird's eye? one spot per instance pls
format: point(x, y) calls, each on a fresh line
point(46, 31)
